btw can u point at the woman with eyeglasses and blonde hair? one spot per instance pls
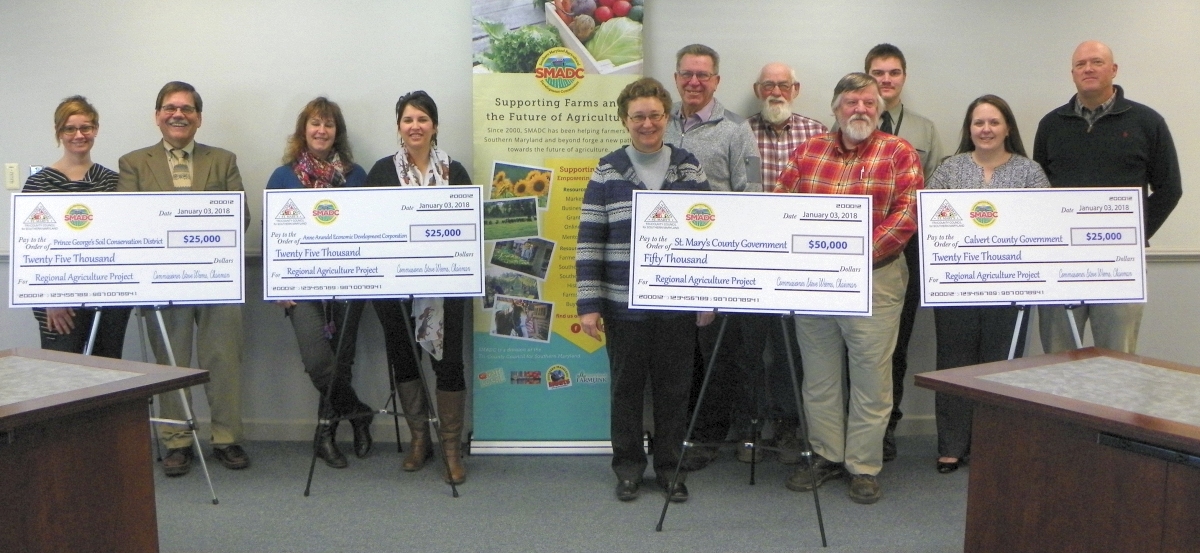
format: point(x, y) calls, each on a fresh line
point(419, 162)
point(76, 124)
point(318, 155)
point(643, 345)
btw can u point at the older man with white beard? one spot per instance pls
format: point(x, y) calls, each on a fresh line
point(856, 159)
point(779, 132)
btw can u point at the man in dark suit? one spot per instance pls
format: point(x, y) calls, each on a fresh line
point(178, 163)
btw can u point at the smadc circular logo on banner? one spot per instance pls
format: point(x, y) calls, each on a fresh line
point(325, 212)
point(78, 217)
point(559, 70)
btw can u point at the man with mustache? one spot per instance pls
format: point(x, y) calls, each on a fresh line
point(178, 164)
point(886, 63)
point(779, 132)
point(1101, 139)
point(855, 159)
point(724, 146)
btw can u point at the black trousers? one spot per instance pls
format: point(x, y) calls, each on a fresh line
point(398, 341)
point(110, 336)
point(659, 351)
point(329, 373)
point(908, 316)
point(735, 388)
point(969, 336)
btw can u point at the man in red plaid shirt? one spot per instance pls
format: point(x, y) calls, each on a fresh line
point(855, 159)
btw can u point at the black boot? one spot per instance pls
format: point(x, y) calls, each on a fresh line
point(346, 403)
point(362, 434)
point(326, 447)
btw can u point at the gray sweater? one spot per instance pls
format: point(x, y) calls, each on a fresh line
point(722, 144)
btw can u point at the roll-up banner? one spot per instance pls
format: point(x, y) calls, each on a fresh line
point(546, 76)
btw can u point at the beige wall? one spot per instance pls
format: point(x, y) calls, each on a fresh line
point(257, 63)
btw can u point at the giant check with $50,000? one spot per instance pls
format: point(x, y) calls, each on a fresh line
point(757, 253)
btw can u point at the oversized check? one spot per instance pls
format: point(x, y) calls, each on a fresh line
point(1031, 246)
point(762, 253)
point(372, 242)
point(110, 248)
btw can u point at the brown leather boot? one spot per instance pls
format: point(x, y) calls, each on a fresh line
point(450, 416)
point(416, 412)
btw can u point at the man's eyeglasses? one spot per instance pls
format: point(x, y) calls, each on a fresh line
point(702, 76)
point(87, 130)
point(171, 110)
point(643, 117)
point(784, 87)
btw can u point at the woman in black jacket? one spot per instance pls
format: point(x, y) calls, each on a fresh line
point(420, 163)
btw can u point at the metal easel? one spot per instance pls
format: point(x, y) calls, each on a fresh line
point(190, 421)
point(432, 408)
point(803, 427)
point(323, 422)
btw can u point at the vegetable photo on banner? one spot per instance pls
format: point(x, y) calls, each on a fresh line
point(516, 51)
point(609, 29)
point(618, 40)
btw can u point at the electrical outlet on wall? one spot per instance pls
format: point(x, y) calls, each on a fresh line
point(12, 176)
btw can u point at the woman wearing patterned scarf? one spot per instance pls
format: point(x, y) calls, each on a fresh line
point(318, 156)
point(440, 327)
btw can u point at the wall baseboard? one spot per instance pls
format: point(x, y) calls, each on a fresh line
point(383, 431)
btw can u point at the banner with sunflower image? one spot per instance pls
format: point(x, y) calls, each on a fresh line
point(546, 76)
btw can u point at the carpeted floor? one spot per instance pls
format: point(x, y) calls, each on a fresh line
point(548, 503)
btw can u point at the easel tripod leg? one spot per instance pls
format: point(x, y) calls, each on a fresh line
point(91, 341)
point(687, 443)
point(1016, 337)
point(1074, 329)
point(807, 453)
point(190, 421)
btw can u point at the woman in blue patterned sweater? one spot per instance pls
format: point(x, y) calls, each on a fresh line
point(642, 345)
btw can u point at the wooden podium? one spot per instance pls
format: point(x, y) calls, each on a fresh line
point(1090, 450)
point(75, 460)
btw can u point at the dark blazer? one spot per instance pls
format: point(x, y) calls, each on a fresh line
point(147, 170)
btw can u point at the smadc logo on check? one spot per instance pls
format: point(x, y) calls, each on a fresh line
point(78, 217)
point(984, 213)
point(325, 212)
point(701, 217)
